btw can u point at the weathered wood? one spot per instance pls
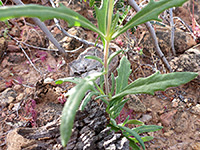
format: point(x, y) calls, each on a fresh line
point(89, 133)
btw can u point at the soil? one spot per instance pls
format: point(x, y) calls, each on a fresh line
point(31, 104)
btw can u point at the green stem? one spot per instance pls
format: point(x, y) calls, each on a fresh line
point(107, 42)
point(106, 50)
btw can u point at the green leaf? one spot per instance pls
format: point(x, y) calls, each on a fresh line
point(70, 108)
point(113, 55)
point(150, 12)
point(124, 72)
point(124, 15)
point(113, 84)
point(156, 82)
point(113, 122)
point(133, 145)
point(87, 99)
point(113, 125)
point(1, 4)
point(91, 3)
point(101, 96)
point(69, 79)
point(133, 133)
point(123, 124)
point(144, 139)
point(44, 13)
point(101, 14)
point(135, 122)
point(116, 108)
point(76, 94)
point(147, 128)
point(95, 58)
point(114, 22)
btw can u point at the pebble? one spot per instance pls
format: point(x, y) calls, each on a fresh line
point(48, 80)
point(10, 106)
point(16, 106)
point(20, 97)
point(169, 133)
point(145, 118)
point(149, 110)
point(17, 87)
point(196, 109)
point(196, 146)
point(135, 104)
point(167, 117)
point(175, 103)
point(10, 99)
point(7, 96)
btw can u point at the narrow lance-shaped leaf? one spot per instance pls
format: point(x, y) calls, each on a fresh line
point(156, 82)
point(133, 133)
point(150, 12)
point(101, 14)
point(69, 110)
point(94, 58)
point(124, 72)
point(76, 94)
point(147, 128)
point(87, 99)
point(1, 4)
point(132, 144)
point(69, 79)
point(144, 139)
point(44, 13)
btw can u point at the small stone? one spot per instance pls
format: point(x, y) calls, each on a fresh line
point(196, 109)
point(145, 118)
point(7, 96)
point(28, 90)
point(58, 90)
point(17, 87)
point(135, 104)
point(20, 97)
point(2, 86)
point(189, 105)
point(48, 80)
point(10, 106)
point(169, 133)
point(167, 117)
point(149, 110)
point(181, 122)
point(155, 116)
point(185, 100)
point(175, 103)
point(3, 114)
point(160, 112)
point(10, 99)
point(196, 146)
point(16, 106)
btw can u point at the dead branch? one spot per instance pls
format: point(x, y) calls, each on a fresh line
point(134, 5)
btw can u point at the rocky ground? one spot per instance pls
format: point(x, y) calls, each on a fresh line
point(31, 104)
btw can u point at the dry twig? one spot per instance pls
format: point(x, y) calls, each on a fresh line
point(153, 35)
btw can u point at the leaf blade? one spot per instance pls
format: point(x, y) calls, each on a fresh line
point(45, 13)
point(138, 138)
point(76, 94)
point(69, 110)
point(124, 72)
point(156, 82)
point(147, 128)
point(150, 12)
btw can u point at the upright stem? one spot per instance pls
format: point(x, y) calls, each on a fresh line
point(107, 42)
point(106, 50)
